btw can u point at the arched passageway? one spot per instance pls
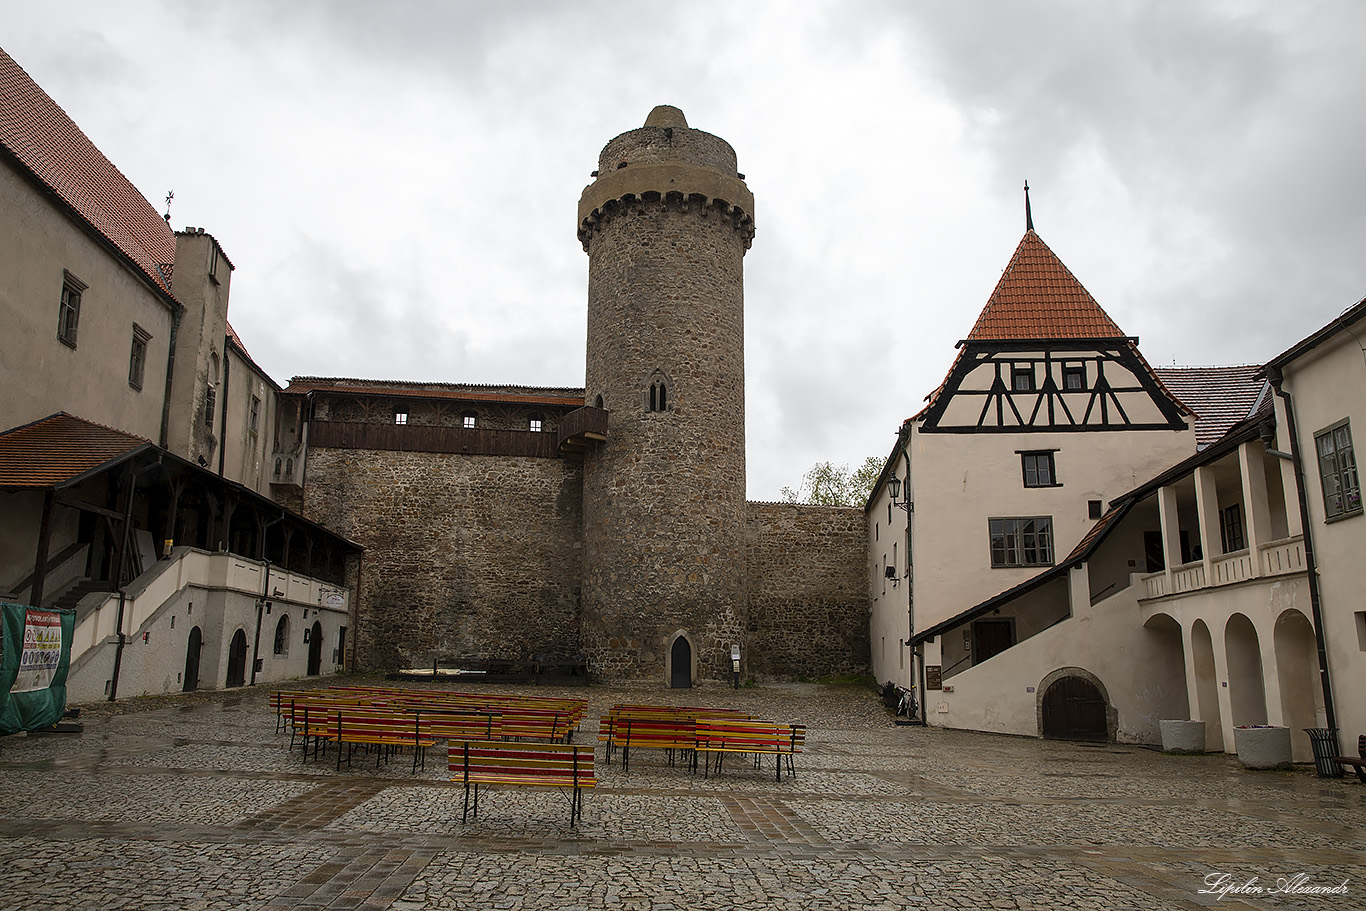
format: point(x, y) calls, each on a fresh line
point(1246, 686)
point(1297, 667)
point(1207, 686)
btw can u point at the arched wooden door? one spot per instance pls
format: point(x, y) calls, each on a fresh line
point(237, 659)
point(192, 650)
point(315, 650)
point(680, 663)
point(1074, 709)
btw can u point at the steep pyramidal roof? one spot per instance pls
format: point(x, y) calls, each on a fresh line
point(44, 140)
point(1039, 297)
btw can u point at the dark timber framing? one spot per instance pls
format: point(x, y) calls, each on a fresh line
point(1046, 407)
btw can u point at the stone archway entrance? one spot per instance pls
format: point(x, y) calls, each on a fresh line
point(237, 659)
point(1073, 708)
point(192, 650)
point(680, 663)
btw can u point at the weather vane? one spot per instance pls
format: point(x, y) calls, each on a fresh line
point(169, 196)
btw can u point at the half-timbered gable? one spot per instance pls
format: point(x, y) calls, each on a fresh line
point(1044, 356)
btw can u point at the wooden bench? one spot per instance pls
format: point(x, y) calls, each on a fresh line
point(387, 731)
point(475, 763)
point(717, 737)
point(1359, 763)
point(455, 726)
point(674, 734)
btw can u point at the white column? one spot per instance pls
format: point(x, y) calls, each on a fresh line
point(1171, 532)
point(1255, 502)
point(1207, 509)
point(1293, 519)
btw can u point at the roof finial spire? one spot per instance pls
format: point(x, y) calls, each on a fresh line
point(1029, 216)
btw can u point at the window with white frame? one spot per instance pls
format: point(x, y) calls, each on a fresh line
point(1338, 471)
point(1021, 541)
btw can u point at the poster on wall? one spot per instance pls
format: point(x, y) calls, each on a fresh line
point(332, 597)
point(35, 654)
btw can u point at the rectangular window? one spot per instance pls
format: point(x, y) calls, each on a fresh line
point(536, 423)
point(1021, 541)
point(1231, 528)
point(255, 414)
point(400, 415)
point(69, 314)
point(137, 357)
point(210, 395)
point(213, 262)
point(467, 421)
point(1022, 377)
point(1338, 471)
point(1038, 469)
point(1073, 377)
point(1093, 509)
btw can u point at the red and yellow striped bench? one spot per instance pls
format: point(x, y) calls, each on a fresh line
point(717, 737)
point(555, 765)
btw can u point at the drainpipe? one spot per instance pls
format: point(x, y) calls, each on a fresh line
point(118, 570)
point(223, 424)
point(1275, 377)
point(260, 610)
point(170, 373)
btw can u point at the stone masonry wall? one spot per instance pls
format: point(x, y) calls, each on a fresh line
point(808, 590)
point(465, 556)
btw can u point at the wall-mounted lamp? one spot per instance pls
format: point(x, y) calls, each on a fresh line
point(894, 488)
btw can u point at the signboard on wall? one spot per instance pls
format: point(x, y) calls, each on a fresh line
point(35, 654)
point(332, 597)
point(933, 680)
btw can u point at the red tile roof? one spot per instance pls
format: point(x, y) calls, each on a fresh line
point(58, 449)
point(49, 144)
point(1220, 396)
point(1039, 297)
point(572, 397)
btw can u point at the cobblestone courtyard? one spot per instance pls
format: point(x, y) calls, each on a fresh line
point(195, 803)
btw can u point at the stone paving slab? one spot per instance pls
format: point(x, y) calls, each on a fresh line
point(194, 802)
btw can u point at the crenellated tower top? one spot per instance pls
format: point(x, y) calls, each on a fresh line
point(666, 159)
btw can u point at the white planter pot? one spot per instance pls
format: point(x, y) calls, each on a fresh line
point(1183, 736)
point(1264, 747)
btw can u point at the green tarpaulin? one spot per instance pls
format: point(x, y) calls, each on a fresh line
point(35, 654)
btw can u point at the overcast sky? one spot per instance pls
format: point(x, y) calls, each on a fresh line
point(396, 182)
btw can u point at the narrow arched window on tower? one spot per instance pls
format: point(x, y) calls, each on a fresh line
point(659, 395)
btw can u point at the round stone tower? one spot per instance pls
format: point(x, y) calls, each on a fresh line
point(666, 224)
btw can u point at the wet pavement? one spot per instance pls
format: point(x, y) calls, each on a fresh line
point(194, 802)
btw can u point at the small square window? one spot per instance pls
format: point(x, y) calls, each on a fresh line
point(400, 416)
point(1022, 377)
point(1073, 377)
point(69, 313)
point(468, 420)
point(536, 423)
point(137, 357)
point(1038, 469)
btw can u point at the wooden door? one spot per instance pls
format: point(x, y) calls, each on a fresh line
point(1073, 709)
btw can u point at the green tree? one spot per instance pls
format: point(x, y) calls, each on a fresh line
point(828, 484)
